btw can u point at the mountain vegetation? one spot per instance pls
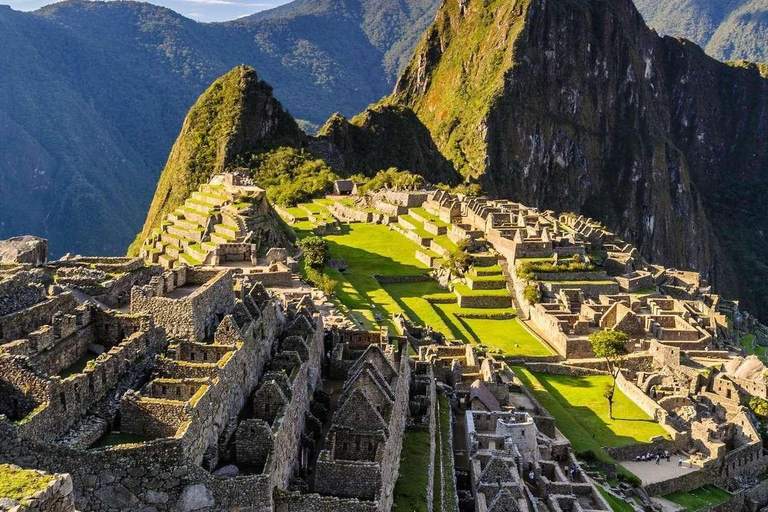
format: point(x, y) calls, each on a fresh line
point(236, 116)
point(726, 29)
point(92, 95)
point(579, 106)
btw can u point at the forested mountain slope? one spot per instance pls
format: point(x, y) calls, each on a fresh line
point(92, 95)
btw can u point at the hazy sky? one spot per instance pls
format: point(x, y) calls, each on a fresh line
point(200, 10)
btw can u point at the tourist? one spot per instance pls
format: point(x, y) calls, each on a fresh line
point(532, 476)
point(658, 458)
point(666, 454)
point(679, 462)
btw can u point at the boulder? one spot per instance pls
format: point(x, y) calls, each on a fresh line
point(24, 249)
point(195, 497)
point(227, 471)
point(117, 496)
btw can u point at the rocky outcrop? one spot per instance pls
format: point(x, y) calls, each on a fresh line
point(25, 249)
point(381, 137)
point(237, 115)
point(578, 105)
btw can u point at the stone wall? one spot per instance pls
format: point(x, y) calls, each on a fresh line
point(684, 483)
point(19, 324)
point(152, 417)
point(20, 291)
point(194, 316)
point(296, 502)
point(66, 400)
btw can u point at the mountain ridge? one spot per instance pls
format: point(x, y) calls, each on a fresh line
point(93, 94)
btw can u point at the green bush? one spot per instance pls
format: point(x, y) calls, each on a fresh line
point(528, 269)
point(587, 456)
point(759, 406)
point(319, 279)
point(289, 175)
point(532, 294)
point(316, 252)
point(394, 179)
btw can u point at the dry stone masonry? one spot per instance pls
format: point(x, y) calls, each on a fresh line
point(205, 375)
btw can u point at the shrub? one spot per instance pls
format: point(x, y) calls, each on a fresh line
point(289, 175)
point(319, 279)
point(394, 179)
point(528, 269)
point(532, 294)
point(316, 252)
point(759, 406)
point(587, 456)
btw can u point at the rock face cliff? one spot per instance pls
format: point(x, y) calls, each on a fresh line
point(381, 137)
point(578, 105)
point(236, 115)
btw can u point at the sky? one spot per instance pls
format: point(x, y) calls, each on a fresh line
point(200, 10)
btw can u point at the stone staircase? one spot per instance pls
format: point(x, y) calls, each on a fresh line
point(190, 233)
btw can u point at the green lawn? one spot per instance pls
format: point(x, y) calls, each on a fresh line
point(699, 498)
point(443, 459)
point(581, 413)
point(411, 487)
point(746, 344)
point(583, 398)
point(508, 335)
point(370, 249)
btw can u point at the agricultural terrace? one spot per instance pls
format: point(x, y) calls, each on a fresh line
point(371, 249)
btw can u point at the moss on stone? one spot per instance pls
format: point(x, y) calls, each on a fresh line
point(17, 483)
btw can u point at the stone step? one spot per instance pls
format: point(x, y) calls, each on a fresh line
point(209, 198)
point(187, 223)
point(196, 234)
point(485, 283)
point(222, 238)
point(172, 251)
point(199, 206)
point(194, 215)
point(167, 261)
point(189, 260)
point(197, 251)
point(174, 240)
point(216, 189)
point(227, 229)
point(230, 220)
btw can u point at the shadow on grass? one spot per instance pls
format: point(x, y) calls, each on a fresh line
point(586, 417)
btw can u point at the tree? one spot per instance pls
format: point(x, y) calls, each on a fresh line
point(612, 347)
point(316, 252)
point(459, 260)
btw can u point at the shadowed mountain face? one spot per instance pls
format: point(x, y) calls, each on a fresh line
point(726, 29)
point(577, 105)
point(92, 95)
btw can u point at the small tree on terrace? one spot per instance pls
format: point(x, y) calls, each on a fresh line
point(316, 252)
point(611, 346)
point(459, 260)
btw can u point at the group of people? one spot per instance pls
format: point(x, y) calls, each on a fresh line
point(571, 471)
point(650, 456)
